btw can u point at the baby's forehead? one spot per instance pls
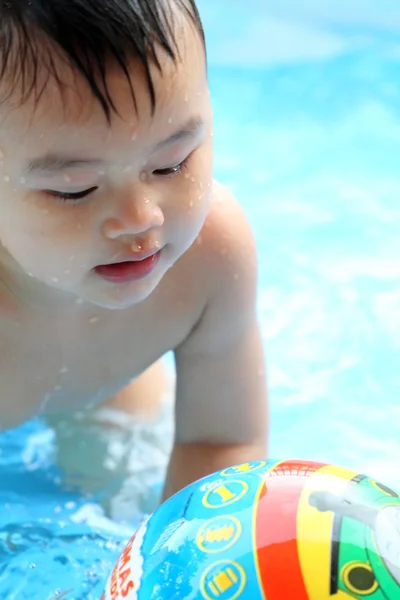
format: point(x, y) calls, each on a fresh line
point(74, 122)
point(69, 102)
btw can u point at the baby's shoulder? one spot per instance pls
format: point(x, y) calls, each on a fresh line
point(225, 251)
point(226, 239)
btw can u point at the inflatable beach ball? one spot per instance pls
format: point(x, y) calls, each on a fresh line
point(289, 530)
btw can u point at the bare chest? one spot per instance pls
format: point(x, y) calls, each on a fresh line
point(54, 362)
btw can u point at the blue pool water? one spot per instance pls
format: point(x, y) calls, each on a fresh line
point(307, 134)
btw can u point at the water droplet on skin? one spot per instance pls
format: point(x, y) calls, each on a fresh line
point(143, 176)
point(93, 320)
point(6, 178)
point(22, 180)
point(186, 176)
point(54, 279)
point(64, 370)
point(30, 274)
point(136, 247)
point(170, 120)
point(191, 204)
point(134, 136)
point(193, 180)
point(186, 98)
point(67, 178)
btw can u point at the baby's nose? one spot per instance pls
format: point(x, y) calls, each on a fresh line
point(135, 219)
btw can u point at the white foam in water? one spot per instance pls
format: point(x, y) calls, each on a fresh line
point(35, 453)
point(93, 516)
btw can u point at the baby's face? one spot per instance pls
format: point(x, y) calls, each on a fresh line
point(77, 193)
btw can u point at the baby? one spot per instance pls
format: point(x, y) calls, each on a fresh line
point(116, 245)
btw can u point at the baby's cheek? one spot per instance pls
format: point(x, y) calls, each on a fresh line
point(198, 188)
point(51, 251)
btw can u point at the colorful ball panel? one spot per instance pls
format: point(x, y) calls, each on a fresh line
point(267, 530)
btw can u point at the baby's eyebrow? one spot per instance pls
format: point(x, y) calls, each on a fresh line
point(190, 129)
point(52, 163)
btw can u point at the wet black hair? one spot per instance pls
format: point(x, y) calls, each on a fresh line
point(88, 34)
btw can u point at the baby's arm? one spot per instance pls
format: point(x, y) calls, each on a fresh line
point(221, 405)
